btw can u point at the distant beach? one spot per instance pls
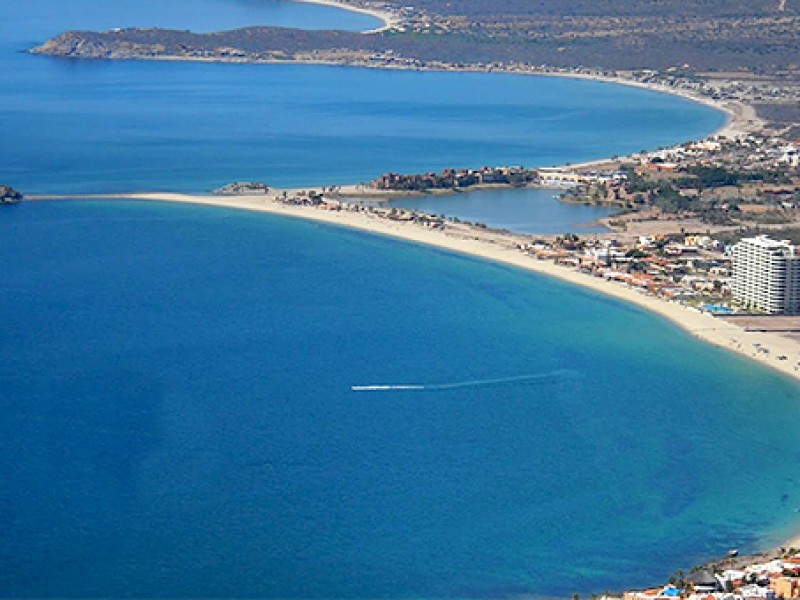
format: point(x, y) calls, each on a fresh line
point(389, 19)
point(741, 118)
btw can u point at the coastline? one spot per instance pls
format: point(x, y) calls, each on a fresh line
point(501, 248)
point(741, 119)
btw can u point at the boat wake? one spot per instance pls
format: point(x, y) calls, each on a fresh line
point(428, 387)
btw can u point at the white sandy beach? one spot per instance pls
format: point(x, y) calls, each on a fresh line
point(501, 249)
point(389, 19)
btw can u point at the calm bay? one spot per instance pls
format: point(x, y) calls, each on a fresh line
point(176, 383)
point(107, 127)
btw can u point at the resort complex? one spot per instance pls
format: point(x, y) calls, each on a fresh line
point(766, 275)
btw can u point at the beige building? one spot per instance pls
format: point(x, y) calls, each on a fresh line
point(786, 587)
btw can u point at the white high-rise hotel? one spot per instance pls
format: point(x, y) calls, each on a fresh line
point(766, 275)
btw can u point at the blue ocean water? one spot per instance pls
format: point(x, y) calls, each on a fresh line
point(178, 418)
point(88, 126)
point(529, 210)
point(36, 20)
point(177, 415)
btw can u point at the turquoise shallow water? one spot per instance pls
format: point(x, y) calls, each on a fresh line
point(178, 418)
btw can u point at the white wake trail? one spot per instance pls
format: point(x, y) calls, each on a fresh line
point(427, 387)
point(385, 388)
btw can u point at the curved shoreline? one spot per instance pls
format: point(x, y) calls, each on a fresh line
point(389, 19)
point(741, 118)
point(740, 115)
point(501, 248)
point(400, 231)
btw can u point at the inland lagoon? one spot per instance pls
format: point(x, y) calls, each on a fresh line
point(529, 210)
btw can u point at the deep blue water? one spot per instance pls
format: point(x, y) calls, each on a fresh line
point(529, 210)
point(178, 419)
point(88, 126)
point(176, 411)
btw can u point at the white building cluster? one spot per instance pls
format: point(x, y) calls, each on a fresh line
point(766, 275)
point(776, 579)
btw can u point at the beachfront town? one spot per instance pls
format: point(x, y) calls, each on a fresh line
point(711, 224)
point(756, 276)
point(766, 577)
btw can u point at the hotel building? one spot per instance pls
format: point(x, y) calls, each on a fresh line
point(766, 275)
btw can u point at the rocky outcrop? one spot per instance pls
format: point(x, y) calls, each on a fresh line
point(242, 188)
point(81, 44)
point(9, 195)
